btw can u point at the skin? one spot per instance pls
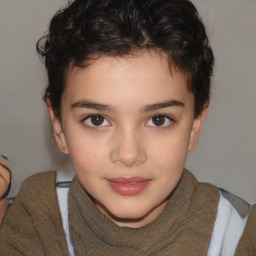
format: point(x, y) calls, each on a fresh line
point(128, 95)
point(4, 182)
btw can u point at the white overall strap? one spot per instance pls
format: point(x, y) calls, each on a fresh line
point(231, 218)
point(62, 188)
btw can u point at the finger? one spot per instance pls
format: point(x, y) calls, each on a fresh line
point(5, 177)
point(5, 157)
point(4, 161)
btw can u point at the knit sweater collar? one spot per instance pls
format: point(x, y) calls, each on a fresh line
point(172, 232)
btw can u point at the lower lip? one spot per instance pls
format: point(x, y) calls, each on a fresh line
point(128, 189)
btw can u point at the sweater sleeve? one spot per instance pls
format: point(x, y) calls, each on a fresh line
point(247, 242)
point(32, 225)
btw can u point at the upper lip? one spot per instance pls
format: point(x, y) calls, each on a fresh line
point(130, 180)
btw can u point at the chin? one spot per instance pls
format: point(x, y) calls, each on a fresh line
point(129, 213)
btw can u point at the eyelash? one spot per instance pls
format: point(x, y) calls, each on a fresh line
point(166, 118)
point(93, 126)
point(104, 119)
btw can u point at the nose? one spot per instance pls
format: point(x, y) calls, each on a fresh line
point(127, 149)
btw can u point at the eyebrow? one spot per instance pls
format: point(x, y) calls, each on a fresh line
point(147, 108)
point(91, 105)
point(159, 105)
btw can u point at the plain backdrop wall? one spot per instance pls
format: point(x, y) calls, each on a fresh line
point(226, 153)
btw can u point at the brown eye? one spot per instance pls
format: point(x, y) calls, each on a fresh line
point(159, 121)
point(96, 120)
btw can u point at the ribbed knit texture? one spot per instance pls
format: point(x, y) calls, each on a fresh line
point(33, 227)
point(183, 228)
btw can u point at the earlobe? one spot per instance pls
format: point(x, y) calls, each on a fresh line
point(195, 131)
point(57, 129)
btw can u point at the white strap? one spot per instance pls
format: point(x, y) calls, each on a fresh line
point(62, 196)
point(227, 230)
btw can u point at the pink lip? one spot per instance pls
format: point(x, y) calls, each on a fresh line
point(128, 186)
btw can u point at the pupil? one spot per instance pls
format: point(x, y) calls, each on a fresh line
point(97, 120)
point(158, 120)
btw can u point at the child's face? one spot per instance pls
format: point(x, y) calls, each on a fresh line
point(128, 124)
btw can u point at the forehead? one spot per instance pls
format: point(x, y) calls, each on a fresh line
point(146, 75)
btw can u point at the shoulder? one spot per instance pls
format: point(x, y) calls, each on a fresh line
point(234, 226)
point(225, 199)
point(222, 199)
point(241, 206)
point(247, 242)
point(34, 188)
point(234, 229)
point(33, 222)
point(36, 193)
point(37, 182)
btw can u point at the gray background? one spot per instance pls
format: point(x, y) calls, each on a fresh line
point(226, 153)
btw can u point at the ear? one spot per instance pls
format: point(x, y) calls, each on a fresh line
point(57, 129)
point(195, 131)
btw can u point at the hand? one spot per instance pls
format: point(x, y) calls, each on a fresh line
point(5, 177)
point(5, 185)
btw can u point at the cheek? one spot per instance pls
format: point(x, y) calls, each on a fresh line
point(87, 154)
point(169, 160)
point(171, 151)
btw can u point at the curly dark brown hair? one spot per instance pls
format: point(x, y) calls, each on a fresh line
point(87, 28)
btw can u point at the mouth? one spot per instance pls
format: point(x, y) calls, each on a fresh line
point(128, 186)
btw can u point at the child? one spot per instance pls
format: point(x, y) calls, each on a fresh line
point(128, 91)
point(5, 184)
